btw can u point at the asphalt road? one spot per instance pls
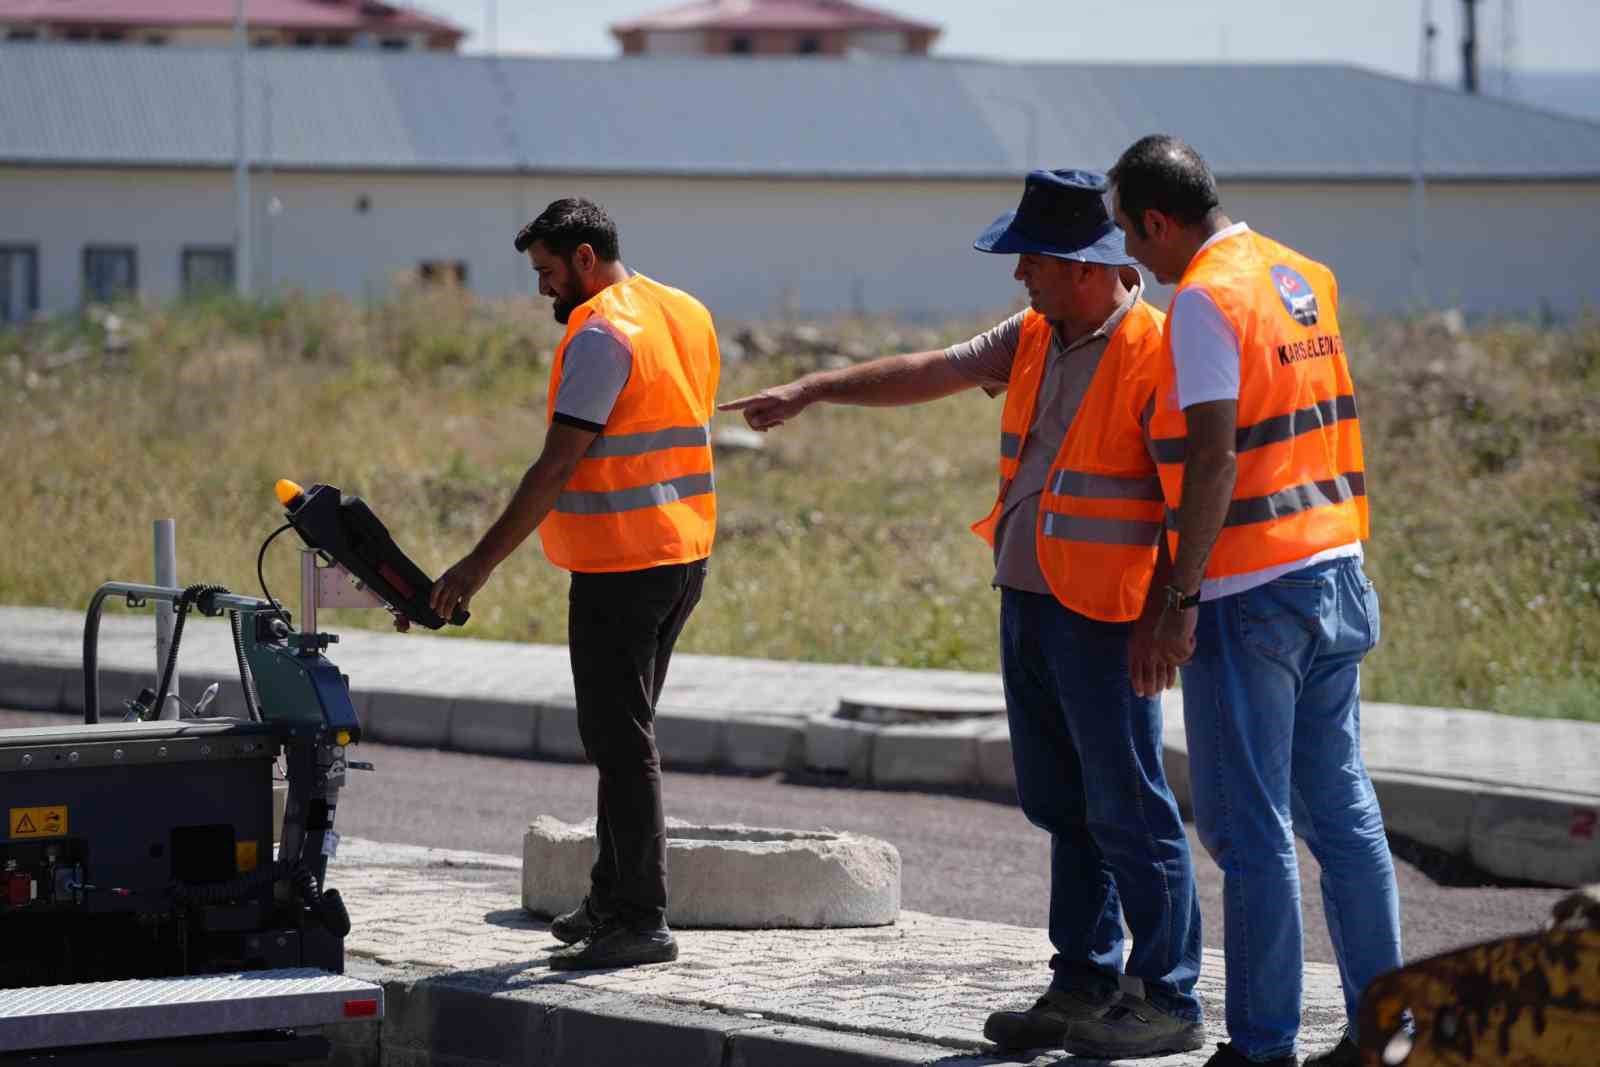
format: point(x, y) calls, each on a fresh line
point(967, 856)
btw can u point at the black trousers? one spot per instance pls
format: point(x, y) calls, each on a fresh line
point(621, 630)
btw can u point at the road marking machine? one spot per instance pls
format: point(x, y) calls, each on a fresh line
point(147, 913)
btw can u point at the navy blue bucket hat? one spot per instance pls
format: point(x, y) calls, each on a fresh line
point(1062, 214)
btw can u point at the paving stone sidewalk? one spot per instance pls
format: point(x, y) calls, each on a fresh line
point(466, 974)
point(1518, 797)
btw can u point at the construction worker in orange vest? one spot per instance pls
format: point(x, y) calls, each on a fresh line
point(1075, 532)
point(1268, 610)
point(622, 497)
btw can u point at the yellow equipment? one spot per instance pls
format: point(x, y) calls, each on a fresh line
point(1528, 1001)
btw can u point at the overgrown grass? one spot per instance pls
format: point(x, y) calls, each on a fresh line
point(843, 540)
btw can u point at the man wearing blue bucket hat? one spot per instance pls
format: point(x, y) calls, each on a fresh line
point(1075, 534)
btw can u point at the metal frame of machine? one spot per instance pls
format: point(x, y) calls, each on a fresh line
point(144, 912)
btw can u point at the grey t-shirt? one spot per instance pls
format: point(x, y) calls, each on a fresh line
point(594, 369)
point(986, 359)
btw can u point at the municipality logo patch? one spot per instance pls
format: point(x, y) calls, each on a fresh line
point(1295, 292)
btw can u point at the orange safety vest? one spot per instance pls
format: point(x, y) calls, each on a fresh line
point(643, 494)
point(1100, 514)
point(1301, 486)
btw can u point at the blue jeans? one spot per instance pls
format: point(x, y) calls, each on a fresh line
point(1087, 752)
point(1271, 703)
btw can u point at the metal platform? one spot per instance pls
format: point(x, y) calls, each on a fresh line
point(98, 1013)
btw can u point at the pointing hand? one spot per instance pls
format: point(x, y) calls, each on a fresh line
point(770, 407)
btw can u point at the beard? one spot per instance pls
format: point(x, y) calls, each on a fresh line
point(563, 308)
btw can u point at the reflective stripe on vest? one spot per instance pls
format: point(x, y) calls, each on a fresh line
point(643, 494)
point(1101, 531)
point(1100, 507)
point(637, 444)
point(1269, 431)
point(1300, 486)
point(1105, 487)
point(1290, 501)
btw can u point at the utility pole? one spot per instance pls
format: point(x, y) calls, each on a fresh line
point(1469, 45)
point(1508, 47)
point(1419, 189)
point(242, 262)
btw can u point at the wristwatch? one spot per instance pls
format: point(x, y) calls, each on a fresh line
point(1178, 600)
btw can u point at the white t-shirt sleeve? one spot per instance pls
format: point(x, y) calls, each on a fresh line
point(1205, 350)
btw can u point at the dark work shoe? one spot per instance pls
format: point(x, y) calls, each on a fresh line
point(1133, 1027)
point(1228, 1056)
point(1045, 1024)
point(575, 925)
point(1344, 1054)
point(616, 945)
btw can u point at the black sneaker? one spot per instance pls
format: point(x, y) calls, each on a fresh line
point(616, 945)
point(1133, 1027)
point(575, 925)
point(1344, 1054)
point(1045, 1024)
point(1228, 1056)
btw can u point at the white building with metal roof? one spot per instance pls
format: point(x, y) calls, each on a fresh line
point(817, 185)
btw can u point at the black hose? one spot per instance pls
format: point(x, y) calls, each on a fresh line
point(247, 679)
point(234, 888)
point(185, 601)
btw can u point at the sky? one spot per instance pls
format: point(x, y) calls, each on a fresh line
point(1380, 34)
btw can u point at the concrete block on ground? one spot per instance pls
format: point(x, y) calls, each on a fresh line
point(839, 746)
point(927, 755)
point(995, 766)
point(731, 877)
point(625, 1032)
point(689, 738)
point(1539, 837)
point(763, 742)
point(778, 1045)
point(31, 686)
point(1433, 811)
point(558, 735)
point(494, 727)
point(408, 719)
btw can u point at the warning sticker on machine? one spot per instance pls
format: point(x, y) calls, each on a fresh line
point(37, 822)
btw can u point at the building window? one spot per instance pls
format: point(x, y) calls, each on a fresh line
point(110, 272)
point(394, 44)
point(443, 272)
point(741, 46)
point(207, 270)
point(19, 283)
point(304, 40)
point(79, 34)
point(266, 42)
point(809, 46)
point(22, 35)
point(156, 39)
point(338, 40)
point(109, 35)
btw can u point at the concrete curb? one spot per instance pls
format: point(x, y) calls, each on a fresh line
point(484, 1019)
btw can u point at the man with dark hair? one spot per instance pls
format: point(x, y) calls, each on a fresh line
point(1074, 531)
point(1269, 612)
point(622, 497)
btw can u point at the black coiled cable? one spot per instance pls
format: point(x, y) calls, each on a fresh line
point(185, 601)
